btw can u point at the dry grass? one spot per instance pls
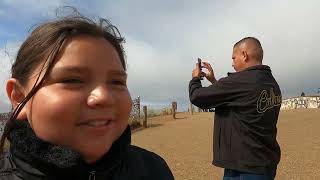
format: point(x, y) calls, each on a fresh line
point(186, 144)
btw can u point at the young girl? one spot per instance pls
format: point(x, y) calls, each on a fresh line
point(71, 108)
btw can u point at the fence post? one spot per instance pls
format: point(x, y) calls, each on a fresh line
point(145, 116)
point(138, 105)
point(174, 108)
point(191, 108)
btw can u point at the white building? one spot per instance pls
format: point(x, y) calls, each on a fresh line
point(301, 102)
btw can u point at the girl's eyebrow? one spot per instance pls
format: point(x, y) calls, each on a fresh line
point(71, 69)
point(118, 73)
point(86, 70)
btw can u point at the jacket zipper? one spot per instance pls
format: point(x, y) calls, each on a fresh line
point(92, 175)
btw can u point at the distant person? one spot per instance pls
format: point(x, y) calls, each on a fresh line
point(247, 105)
point(71, 107)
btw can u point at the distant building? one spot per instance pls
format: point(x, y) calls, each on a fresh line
point(306, 101)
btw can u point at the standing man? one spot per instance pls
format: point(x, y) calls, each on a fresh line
point(247, 105)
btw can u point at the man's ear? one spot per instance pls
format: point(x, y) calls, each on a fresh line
point(16, 94)
point(245, 56)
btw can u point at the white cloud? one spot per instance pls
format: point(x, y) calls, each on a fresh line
point(164, 41)
point(149, 72)
point(30, 10)
point(164, 38)
point(34, 6)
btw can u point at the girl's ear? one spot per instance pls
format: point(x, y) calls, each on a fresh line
point(16, 94)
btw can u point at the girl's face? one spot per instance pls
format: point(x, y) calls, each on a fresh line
point(84, 103)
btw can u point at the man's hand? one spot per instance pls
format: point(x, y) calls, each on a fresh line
point(210, 75)
point(197, 71)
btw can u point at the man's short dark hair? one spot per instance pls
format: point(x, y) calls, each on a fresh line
point(257, 51)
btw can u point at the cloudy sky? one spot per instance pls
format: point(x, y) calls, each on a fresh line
point(164, 39)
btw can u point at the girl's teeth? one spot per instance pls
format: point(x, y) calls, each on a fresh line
point(97, 123)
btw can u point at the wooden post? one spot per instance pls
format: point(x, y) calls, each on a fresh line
point(139, 111)
point(145, 116)
point(191, 108)
point(174, 108)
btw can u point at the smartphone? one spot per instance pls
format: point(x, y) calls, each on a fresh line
point(199, 63)
point(200, 66)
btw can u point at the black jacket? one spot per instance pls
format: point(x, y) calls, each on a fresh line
point(32, 159)
point(247, 105)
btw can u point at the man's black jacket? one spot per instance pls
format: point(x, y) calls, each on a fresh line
point(247, 105)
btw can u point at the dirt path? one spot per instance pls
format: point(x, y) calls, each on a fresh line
point(186, 144)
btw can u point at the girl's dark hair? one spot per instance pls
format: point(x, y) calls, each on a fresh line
point(43, 45)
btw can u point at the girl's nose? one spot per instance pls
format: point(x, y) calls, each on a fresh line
point(100, 97)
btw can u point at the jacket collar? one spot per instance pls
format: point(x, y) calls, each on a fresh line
point(257, 67)
point(37, 157)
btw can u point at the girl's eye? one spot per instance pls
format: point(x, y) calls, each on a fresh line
point(118, 82)
point(72, 81)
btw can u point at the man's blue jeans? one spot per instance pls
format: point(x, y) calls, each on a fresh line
point(237, 175)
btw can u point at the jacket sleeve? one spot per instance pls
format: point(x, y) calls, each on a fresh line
point(224, 92)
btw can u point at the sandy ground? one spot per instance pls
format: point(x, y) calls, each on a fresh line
point(186, 144)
